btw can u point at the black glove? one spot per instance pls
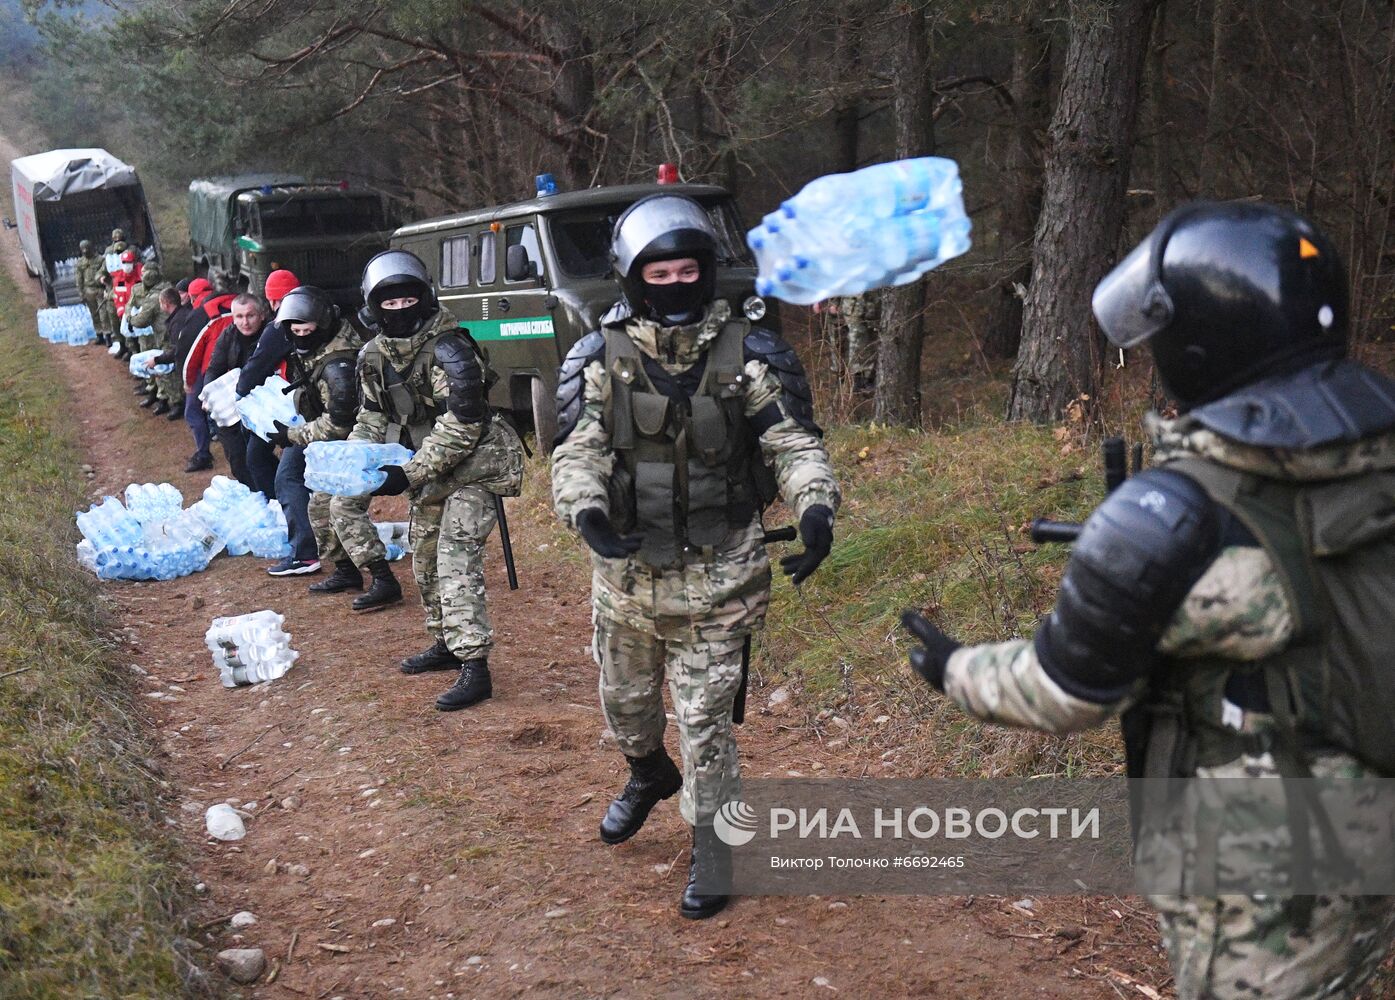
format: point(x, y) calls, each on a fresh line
point(816, 532)
point(281, 436)
point(595, 527)
point(395, 483)
point(935, 649)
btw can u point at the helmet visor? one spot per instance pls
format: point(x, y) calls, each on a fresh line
point(652, 218)
point(1130, 303)
point(394, 267)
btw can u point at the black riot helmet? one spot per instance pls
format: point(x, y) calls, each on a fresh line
point(1226, 294)
point(397, 274)
point(664, 227)
point(308, 304)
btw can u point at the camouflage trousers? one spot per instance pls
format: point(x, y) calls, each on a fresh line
point(703, 678)
point(447, 539)
point(111, 323)
point(1244, 948)
point(352, 529)
point(327, 542)
point(94, 306)
point(149, 342)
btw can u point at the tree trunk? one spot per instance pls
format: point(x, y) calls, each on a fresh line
point(1022, 178)
point(897, 394)
point(1087, 170)
point(573, 93)
point(847, 49)
point(1164, 185)
point(1229, 38)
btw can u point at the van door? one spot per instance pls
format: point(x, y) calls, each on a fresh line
point(454, 257)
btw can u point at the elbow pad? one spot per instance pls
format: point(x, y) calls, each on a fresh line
point(1138, 556)
point(341, 386)
point(795, 394)
point(571, 382)
point(464, 377)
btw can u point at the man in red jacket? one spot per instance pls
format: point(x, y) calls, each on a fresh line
point(211, 316)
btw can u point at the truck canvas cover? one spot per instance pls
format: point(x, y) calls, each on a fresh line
point(60, 172)
point(211, 207)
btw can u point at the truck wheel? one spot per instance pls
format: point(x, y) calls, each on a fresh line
point(544, 416)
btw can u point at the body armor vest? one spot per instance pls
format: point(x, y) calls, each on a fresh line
point(410, 403)
point(307, 398)
point(690, 469)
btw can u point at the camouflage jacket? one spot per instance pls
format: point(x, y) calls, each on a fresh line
point(1237, 609)
point(731, 594)
point(323, 427)
point(89, 272)
point(144, 308)
point(485, 453)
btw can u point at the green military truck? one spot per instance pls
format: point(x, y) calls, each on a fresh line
point(250, 225)
point(532, 278)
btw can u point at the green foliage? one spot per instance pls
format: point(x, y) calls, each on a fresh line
point(88, 896)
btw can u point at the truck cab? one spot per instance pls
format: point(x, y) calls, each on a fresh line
point(530, 279)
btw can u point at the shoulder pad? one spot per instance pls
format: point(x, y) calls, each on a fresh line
point(341, 381)
point(1137, 557)
point(769, 347)
point(464, 376)
point(617, 314)
point(571, 381)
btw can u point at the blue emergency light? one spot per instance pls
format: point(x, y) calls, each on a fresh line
point(547, 185)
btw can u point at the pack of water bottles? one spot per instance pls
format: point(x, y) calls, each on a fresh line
point(845, 234)
point(250, 649)
point(350, 468)
point(394, 536)
point(152, 539)
point(219, 399)
point(64, 269)
point(142, 364)
point(244, 520)
point(266, 404)
point(66, 325)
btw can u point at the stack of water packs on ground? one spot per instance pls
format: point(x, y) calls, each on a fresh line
point(219, 399)
point(66, 325)
point(141, 365)
point(394, 538)
point(266, 404)
point(151, 538)
point(245, 521)
point(350, 468)
point(249, 649)
point(845, 234)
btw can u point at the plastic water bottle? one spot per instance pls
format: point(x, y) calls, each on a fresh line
point(250, 649)
point(265, 405)
point(845, 234)
point(394, 551)
point(66, 325)
point(243, 520)
point(350, 468)
point(142, 364)
point(219, 399)
point(271, 538)
point(109, 524)
point(152, 504)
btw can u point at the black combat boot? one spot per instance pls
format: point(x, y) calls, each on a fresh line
point(150, 400)
point(346, 576)
point(438, 657)
point(653, 778)
point(473, 685)
point(709, 865)
point(161, 408)
point(383, 591)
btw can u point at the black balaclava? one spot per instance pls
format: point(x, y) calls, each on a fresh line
point(677, 303)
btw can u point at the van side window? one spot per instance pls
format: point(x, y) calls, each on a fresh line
point(524, 236)
point(487, 268)
point(455, 262)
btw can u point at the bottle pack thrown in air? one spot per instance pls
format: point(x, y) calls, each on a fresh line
point(241, 519)
point(66, 325)
point(350, 468)
point(250, 649)
point(219, 399)
point(845, 234)
point(266, 404)
point(141, 365)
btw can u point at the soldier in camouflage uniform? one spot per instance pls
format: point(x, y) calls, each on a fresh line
point(425, 384)
point(110, 319)
point(1189, 601)
point(89, 286)
point(143, 312)
point(323, 362)
point(679, 422)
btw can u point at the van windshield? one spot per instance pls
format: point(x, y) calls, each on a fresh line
point(581, 238)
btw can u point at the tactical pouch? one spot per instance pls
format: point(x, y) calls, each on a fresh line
point(654, 514)
point(709, 436)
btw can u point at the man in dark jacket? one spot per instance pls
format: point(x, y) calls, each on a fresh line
point(235, 345)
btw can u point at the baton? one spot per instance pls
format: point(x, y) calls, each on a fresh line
point(504, 537)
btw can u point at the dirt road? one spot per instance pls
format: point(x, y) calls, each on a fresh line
point(396, 851)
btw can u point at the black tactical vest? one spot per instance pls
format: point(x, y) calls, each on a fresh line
point(690, 469)
point(307, 398)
